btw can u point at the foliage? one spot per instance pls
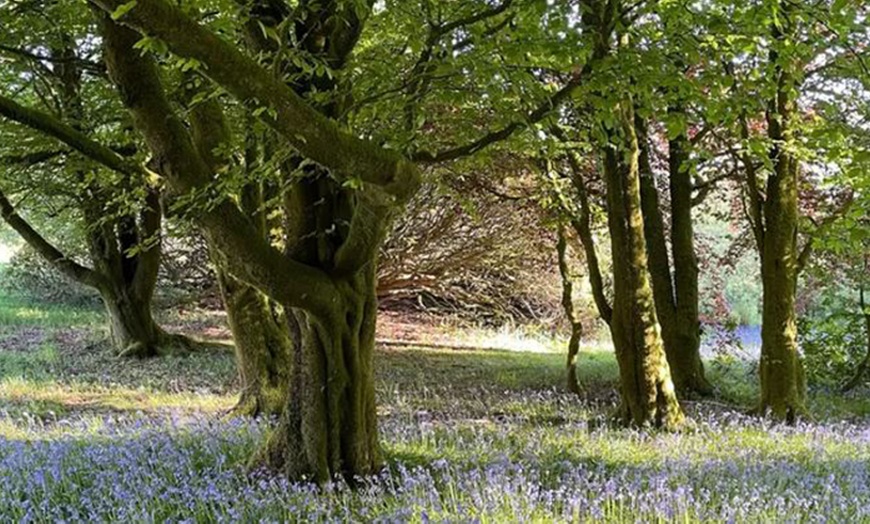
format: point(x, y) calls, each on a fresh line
point(30, 276)
point(472, 252)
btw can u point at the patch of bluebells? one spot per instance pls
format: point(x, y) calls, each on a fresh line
point(194, 470)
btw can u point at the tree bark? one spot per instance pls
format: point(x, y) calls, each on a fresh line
point(675, 294)
point(783, 384)
point(568, 307)
point(689, 374)
point(648, 396)
point(329, 425)
point(134, 333)
point(263, 347)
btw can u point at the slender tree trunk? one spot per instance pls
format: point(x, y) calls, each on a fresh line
point(329, 425)
point(865, 362)
point(648, 396)
point(676, 295)
point(263, 348)
point(687, 345)
point(568, 307)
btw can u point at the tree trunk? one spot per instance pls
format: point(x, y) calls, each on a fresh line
point(133, 330)
point(648, 397)
point(865, 362)
point(781, 370)
point(263, 348)
point(568, 307)
point(783, 385)
point(688, 369)
point(329, 425)
point(675, 295)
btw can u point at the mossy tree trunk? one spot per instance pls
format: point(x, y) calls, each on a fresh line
point(783, 384)
point(676, 292)
point(126, 254)
point(647, 390)
point(261, 339)
point(125, 281)
point(648, 396)
point(263, 347)
point(329, 425)
point(324, 274)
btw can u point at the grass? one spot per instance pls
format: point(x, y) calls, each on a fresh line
point(21, 312)
point(487, 436)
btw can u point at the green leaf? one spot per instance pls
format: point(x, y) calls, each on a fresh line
point(123, 9)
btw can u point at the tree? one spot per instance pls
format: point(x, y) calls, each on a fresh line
point(794, 54)
point(335, 215)
point(121, 216)
point(648, 396)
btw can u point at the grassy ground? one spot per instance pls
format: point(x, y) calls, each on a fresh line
point(485, 436)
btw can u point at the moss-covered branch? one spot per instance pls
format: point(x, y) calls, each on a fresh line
point(54, 127)
point(313, 134)
point(250, 256)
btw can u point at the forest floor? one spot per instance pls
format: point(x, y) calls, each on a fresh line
point(485, 435)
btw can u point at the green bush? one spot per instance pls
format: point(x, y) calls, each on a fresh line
point(28, 275)
point(833, 346)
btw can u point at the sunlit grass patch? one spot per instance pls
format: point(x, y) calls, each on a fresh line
point(22, 400)
point(20, 311)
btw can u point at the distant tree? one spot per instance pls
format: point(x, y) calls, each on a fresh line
point(120, 217)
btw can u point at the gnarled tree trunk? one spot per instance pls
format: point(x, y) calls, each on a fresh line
point(329, 427)
point(263, 347)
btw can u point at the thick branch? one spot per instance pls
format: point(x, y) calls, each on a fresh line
point(151, 220)
point(251, 256)
point(314, 135)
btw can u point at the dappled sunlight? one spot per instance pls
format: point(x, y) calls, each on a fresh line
point(52, 403)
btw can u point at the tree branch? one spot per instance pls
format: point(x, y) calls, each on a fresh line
point(46, 250)
point(86, 65)
point(474, 18)
point(704, 188)
point(51, 126)
point(32, 158)
point(151, 252)
point(582, 225)
point(251, 257)
point(821, 229)
point(542, 111)
point(311, 133)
